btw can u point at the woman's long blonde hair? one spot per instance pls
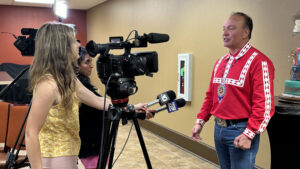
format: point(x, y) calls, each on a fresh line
point(55, 55)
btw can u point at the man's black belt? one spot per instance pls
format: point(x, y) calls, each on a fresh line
point(226, 123)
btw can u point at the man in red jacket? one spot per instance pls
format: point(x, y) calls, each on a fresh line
point(240, 97)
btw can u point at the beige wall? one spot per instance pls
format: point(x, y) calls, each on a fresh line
point(195, 26)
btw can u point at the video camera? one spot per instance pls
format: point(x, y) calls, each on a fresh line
point(118, 71)
point(26, 44)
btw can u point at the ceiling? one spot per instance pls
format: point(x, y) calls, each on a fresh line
point(72, 4)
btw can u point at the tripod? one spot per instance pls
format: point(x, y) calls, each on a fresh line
point(13, 155)
point(115, 114)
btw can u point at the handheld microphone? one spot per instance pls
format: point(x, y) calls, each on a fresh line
point(163, 98)
point(172, 106)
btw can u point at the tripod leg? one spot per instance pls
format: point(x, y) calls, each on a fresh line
point(112, 150)
point(12, 157)
point(142, 143)
point(105, 143)
point(109, 144)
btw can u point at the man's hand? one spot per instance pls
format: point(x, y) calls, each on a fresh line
point(196, 132)
point(142, 107)
point(242, 142)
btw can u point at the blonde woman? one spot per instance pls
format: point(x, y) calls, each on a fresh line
point(52, 132)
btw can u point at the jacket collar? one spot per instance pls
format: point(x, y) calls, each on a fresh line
point(240, 53)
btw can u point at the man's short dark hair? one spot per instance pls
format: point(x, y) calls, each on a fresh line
point(248, 21)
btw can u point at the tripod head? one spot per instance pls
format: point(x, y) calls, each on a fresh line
point(124, 113)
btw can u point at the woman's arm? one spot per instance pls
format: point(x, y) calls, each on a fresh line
point(89, 98)
point(46, 94)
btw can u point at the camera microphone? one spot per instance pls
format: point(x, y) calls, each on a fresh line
point(25, 31)
point(157, 37)
point(28, 31)
point(141, 41)
point(163, 98)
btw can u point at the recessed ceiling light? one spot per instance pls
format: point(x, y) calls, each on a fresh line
point(37, 1)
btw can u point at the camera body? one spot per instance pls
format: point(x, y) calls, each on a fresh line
point(26, 44)
point(118, 71)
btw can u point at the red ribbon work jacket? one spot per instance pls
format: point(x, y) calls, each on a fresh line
point(246, 80)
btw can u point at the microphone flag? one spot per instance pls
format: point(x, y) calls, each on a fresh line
point(172, 106)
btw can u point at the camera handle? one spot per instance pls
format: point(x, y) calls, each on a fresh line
point(115, 114)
